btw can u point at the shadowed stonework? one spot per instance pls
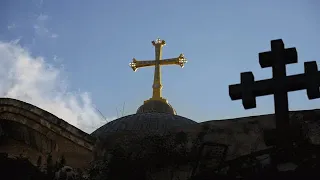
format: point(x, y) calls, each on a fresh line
point(156, 106)
point(246, 135)
point(144, 122)
point(33, 132)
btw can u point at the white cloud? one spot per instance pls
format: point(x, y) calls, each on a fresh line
point(42, 17)
point(11, 26)
point(40, 27)
point(32, 80)
point(38, 3)
point(54, 35)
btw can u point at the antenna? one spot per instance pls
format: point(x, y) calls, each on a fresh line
point(100, 113)
point(124, 103)
point(117, 113)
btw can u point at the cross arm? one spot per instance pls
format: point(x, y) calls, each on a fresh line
point(180, 60)
point(135, 64)
point(312, 79)
point(259, 88)
point(248, 88)
point(265, 87)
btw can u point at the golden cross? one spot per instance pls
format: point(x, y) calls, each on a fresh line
point(157, 86)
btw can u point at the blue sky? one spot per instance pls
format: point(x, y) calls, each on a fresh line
point(89, 44)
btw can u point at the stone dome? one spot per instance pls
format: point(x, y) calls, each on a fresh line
point(159, 123)
point(156, 106)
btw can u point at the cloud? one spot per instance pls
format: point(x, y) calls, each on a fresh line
point(42, 17)
point(32, 80)
point(54, 35)
point(11, 26)
point(40, 27)
point(39, 3)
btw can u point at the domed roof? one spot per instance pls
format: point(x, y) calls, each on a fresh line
point(144, 122)
point(156, 106)
point(156, 114)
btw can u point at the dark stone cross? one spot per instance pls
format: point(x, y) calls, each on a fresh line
point(279, 85)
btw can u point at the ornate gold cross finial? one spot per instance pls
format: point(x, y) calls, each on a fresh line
point(157, 63)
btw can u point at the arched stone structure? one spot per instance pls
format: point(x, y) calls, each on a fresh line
point(34, 132)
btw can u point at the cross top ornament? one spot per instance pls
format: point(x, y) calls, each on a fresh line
point(159, 41)
point(279, 85)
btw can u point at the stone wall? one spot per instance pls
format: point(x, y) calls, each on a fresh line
point(245, 135)
point(33, 132)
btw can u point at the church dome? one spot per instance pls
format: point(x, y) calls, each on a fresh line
point(156, 114)
point(159, 123)
point(156, 106)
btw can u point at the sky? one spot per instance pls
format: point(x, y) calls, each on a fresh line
point(71, 57)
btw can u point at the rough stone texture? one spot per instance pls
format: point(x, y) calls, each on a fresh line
point(245, 135)
point(241, 135)
point(34, 132)
point(146, 122)
point(156, 106)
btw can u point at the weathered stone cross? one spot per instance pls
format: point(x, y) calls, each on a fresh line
point(279, 85)
point(157, 86)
